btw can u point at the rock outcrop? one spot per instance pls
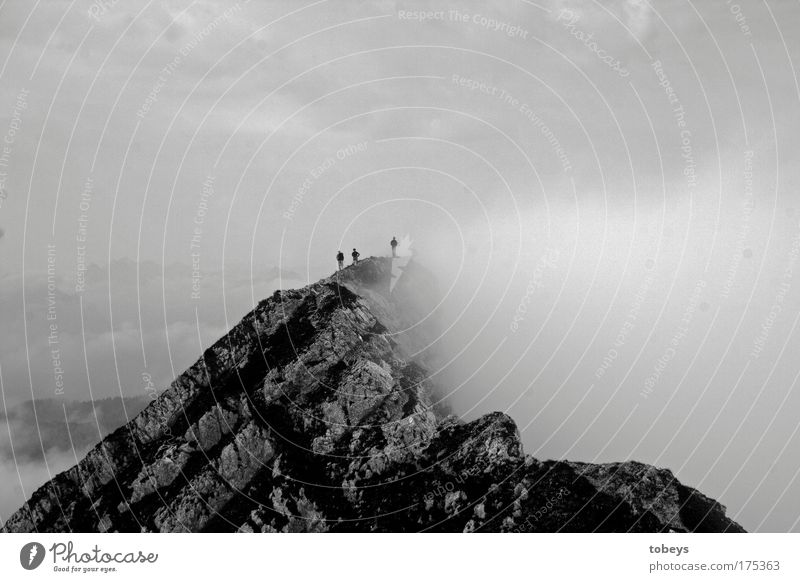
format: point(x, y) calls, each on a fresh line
point(310, 415)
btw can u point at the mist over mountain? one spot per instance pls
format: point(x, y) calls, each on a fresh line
point(44, 425)
point(318, 412)
point(40, 438)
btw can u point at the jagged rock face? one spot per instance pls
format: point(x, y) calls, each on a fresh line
point(308, 416)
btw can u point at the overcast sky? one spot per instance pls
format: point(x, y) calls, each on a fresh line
point(609, 190)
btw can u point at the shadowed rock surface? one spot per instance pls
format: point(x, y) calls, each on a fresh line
point(312, 415)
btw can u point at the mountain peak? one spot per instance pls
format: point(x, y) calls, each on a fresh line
point(310, 415)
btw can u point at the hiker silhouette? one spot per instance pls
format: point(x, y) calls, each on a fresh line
point(355, 254)
point(394, 246)
point(340, 259)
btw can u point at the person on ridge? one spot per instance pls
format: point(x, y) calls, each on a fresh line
point(394, 246)
point(340, 259)
point(355, 254)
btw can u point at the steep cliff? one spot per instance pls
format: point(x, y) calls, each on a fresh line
point(312, 414)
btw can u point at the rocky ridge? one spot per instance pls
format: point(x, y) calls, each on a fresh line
point(310, 415)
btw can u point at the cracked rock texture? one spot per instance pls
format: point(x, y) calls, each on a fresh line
point(309, 416)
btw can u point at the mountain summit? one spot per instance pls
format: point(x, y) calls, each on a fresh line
point(312, 414)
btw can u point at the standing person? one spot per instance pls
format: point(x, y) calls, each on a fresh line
point(355, 254)
point(394, 246)
point(340, 259)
